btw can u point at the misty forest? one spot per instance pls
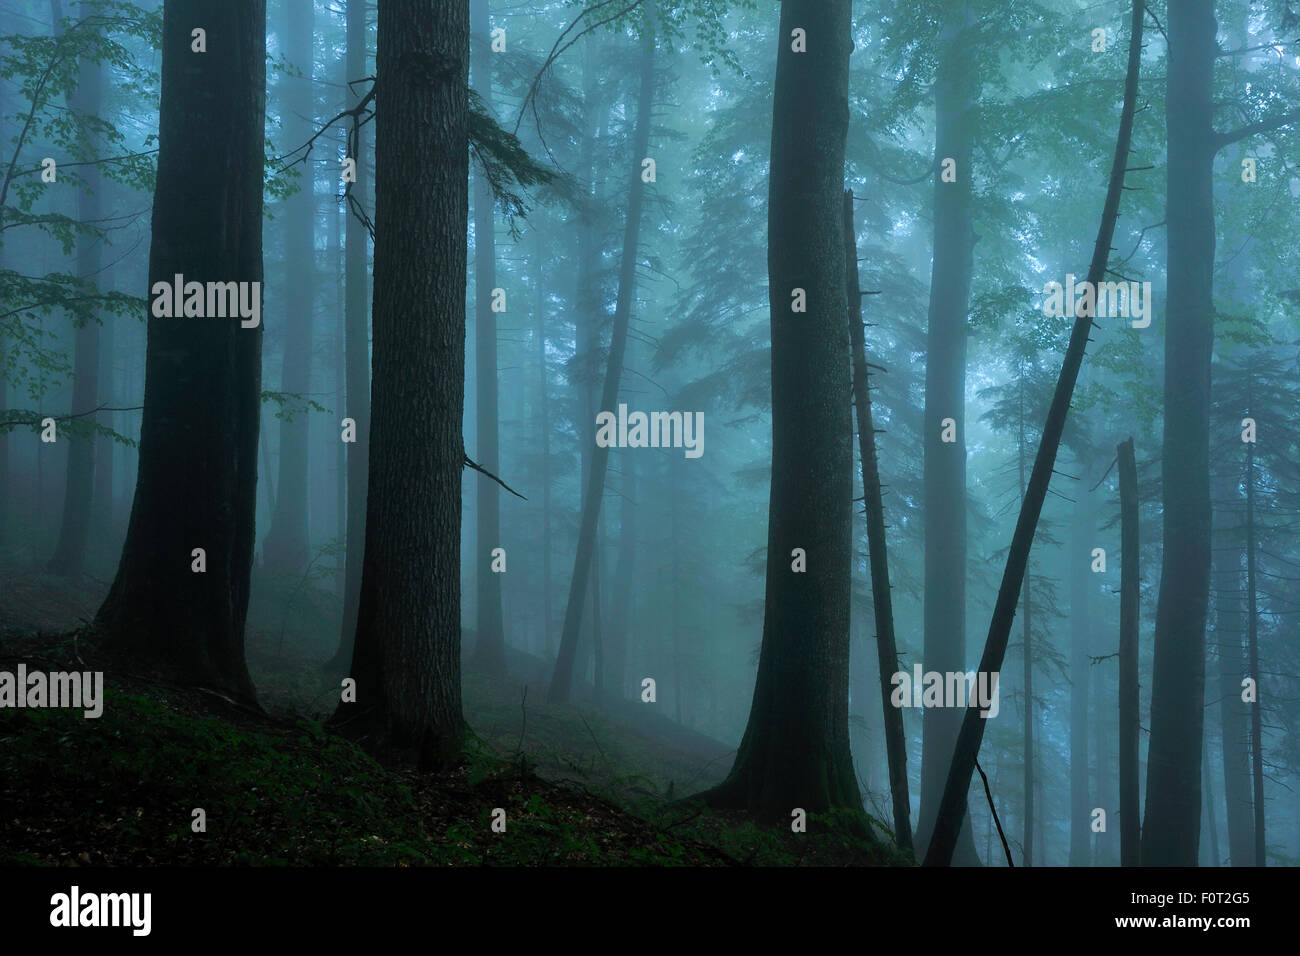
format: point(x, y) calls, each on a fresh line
point(642, 432)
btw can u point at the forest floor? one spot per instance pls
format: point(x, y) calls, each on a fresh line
point(579, 785)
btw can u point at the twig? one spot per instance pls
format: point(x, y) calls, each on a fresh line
point(479, 468)
point(994, 810)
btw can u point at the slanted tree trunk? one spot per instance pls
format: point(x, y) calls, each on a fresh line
point(406, 660)
point(945, 390)
point(285, 549)
point(952, 810)
point(1171, 826)
point(70, 552)
point(873, 504)
point(795, 750)
point(203, 376)
point(490, 648)
point(356, 348)
point(1129, 621)
point(562, 679)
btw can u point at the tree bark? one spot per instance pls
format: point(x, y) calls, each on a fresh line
point(873, 504)
point(406, 659)
point(198, 432)
point(1129, 622)
point(944, 483)
point(795, 750)
point(953, 808)
point(356, 348)
point(1171, 826)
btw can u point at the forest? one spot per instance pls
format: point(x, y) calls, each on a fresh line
point(699, 433)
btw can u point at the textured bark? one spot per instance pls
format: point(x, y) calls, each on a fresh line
point(944, 491)
point(795, 750)
point(406, 660)
point(197, 478)
point(490, 648)
point(285, 549)
point(356, 349)
point(873, 498)
point(1172, 822)
point(1129, 621)
point(562, 679)
point(953, 808)
point(70, 552)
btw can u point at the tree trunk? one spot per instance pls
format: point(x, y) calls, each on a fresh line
point(1212, 824)
point(620, 624)
point(490, 649)
point(1129, 623)
point(544, 410)
point(795, 750)
point(356, 349)
point(1080, 594)
point(1171, 826)
point(70, 552)
point(873, 504)
point(945, 389)
point(952, 810)
point(1252, 650)
point(406, 660)
point(1027, 714)
point(285, 549)
point(562, 679)
point(202, 395)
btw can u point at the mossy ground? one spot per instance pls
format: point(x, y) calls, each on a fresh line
point(580, 786)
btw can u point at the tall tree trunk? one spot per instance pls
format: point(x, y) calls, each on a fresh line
point(1229, 620)
point(203, 377)
point(944, 489)
point(285, 549)
point(1027, 836)
point(70, 552)
point(406, 660)
point(952, 810)
point(1252, 650)
point(795, 750)
point(1171, 826)
point(356, 348)
point(873, 504)
point(562, 679)
point(620, 623)
point(1212, 824)
point(1129, 622)
point(490, 649)
point(544, 411)
point(1080, 625)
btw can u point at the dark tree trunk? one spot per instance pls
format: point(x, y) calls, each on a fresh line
point(1172, 823)
point(952, 811)
point(795, 750)
point(285, 549)
point(1080, 624)
point(945, 389)
point(1129, 621)
point(490, 648)
point(1027, 714)
point(198, 433)
point(70, 552)
point(562, 679)
point(406, 660)
point(544, 411)
point(873, 504)
point(356, 349)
